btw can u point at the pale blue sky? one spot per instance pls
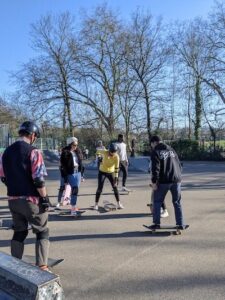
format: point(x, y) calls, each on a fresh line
point(17, 15)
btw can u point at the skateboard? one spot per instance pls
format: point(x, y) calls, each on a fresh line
point(67, 212)
point(30, 259)
point(108, 206)
point(166, 228)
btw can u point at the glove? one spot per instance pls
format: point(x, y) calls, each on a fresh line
point(3, 180)
point(45, 202)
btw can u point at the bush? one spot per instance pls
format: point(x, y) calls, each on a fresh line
point(190, 150)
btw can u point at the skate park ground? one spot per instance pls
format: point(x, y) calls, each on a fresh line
point(112, 256)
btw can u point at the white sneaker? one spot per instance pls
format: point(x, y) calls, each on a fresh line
point(120, 205)
point(124, 189)
point(165, 214)
point(58, 205)
point(96, 207)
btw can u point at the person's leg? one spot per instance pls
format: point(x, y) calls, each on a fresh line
point(176, 198)
point(20, 225)
point(38, 219)
point(110, 177)
point(159, 196)
point(61, 189)
point(101, 180)
point(74, 181)
point(123, 168)
point(164, 205)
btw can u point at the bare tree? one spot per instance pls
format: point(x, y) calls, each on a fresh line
point(147, 57)
point(100, 58)
point(45, 81)
point(190, 43)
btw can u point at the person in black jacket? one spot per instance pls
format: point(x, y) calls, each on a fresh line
point(71, 168)
point(166, 176)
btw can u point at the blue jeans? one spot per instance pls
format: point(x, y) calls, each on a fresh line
point(159, 196)
point(74, 181)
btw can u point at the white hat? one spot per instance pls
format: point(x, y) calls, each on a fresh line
point(72, 140)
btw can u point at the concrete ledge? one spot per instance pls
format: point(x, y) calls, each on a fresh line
point(24, 281)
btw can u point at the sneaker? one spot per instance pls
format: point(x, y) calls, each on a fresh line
point(124, 189)
point(58, 205)
point(45, 268)
point(82, 179)
point(120, 205)
point(165, 214)
point(154, 226)
point(182, 227)
point(96, 207)
point(73, 211)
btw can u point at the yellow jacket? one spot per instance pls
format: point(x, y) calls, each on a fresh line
point(109, 164)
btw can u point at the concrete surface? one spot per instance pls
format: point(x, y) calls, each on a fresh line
point(111, 255)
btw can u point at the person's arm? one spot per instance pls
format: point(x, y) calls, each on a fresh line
point(38, 171)
point(155, 169)
point(126, 154)
point(2, 174)
point(116, 171)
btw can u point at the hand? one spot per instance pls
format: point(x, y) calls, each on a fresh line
point(45, 202)
point(3, 180)
point(154, 186)
point(65, 179)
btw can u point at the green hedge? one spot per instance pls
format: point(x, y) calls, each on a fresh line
point(190, 150)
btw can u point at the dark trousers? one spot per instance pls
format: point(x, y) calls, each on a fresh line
point(24, 212)
point(101, 180)
point(124, 170)
point(159, 196)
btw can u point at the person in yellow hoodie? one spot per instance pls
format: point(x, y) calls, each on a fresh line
point(109, 168)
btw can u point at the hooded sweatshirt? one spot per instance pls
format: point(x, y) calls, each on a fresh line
point(166, 167)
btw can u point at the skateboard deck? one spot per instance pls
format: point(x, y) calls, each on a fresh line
point(30, 259)
point(67, 212)
point(166, 228)
point(108, 206)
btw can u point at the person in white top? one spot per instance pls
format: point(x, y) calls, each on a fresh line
point(122, 152)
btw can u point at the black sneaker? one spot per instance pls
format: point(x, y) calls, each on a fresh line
point(154, 226)
point(182, 227)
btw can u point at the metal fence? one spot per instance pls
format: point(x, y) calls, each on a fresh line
point(4, 135)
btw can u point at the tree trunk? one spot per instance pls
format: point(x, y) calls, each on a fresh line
point(198, 109)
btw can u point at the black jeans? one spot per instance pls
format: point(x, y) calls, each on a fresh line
point(101, 180)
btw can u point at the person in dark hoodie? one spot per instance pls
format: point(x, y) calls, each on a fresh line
point(71, 168)
point(166, 176)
